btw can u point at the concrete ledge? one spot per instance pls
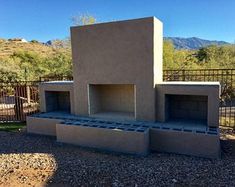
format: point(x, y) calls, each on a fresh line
point(40, 125)
point(202, 144)
point(109, 138)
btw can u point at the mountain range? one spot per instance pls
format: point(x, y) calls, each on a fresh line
point(193, 42)
point(179, 42)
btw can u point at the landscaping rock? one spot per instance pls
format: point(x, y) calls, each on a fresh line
point(29, 160)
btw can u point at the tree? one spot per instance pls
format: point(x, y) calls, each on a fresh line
point(34, 41)
point(30, 64)
point(168, 54)
point(9, 70)
point(178, 59)
point(215, 56)
point(60, 64)
point(83, 19)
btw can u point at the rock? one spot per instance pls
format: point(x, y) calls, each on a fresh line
point(174, 180)
point(34, 160)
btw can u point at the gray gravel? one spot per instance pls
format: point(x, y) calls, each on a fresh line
point(29, 160)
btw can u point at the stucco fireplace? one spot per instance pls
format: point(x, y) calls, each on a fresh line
point(118, 101)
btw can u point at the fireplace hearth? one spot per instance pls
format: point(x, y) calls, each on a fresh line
point(112, 101)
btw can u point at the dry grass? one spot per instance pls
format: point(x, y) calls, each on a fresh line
point(7, 48)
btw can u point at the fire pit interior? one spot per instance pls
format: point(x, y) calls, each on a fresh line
point(186, 108)
point(112, 100)
point(57, 101)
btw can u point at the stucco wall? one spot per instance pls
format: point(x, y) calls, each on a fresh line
point(123, 52)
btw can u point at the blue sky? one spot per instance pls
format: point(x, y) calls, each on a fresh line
point(50, 19)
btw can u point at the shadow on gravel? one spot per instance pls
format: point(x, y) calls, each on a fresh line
point(78, 166)
point(228, 147)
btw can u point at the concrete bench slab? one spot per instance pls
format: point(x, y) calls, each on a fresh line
point(105, 137)
point(42, 125)
point(185, 141)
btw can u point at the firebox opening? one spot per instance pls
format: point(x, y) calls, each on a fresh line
point(115, 101)
point(189, 109)
point(57, 101)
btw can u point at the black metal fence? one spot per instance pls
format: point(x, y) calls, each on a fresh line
point(19, 99)
point(226, 77)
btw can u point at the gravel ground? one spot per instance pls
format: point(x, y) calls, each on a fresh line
point(27, 160)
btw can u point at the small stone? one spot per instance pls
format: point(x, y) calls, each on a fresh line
point(73, 166)
point(174, 180)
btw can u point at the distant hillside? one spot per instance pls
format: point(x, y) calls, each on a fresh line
point(57, 43)
point(192, 43)
point(8, 47)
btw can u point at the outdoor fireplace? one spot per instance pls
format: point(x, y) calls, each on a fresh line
point(118, 102)
point(112, 100)
point(186, 108)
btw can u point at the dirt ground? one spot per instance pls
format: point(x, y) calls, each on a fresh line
point(30, 160)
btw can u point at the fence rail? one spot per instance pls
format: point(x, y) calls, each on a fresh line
point(19, 99)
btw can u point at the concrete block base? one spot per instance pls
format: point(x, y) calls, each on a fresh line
point(202, 144)
point(134, 137)
point(108, 138)
point(44, 126)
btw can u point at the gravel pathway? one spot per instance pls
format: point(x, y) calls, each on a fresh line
point(30, 160)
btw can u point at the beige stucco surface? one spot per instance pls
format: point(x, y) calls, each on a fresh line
point(126, 52)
